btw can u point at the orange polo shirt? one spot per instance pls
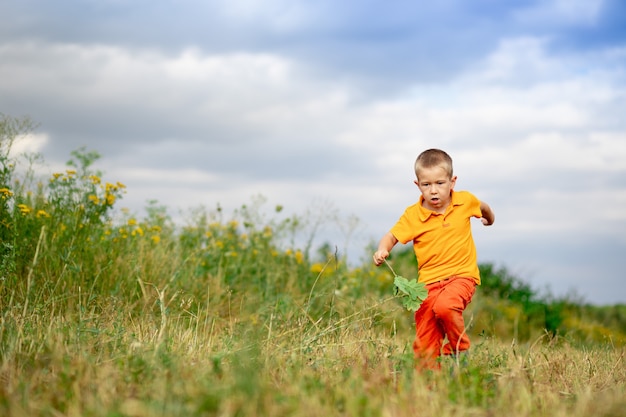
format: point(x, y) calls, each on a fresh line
point(443, 243)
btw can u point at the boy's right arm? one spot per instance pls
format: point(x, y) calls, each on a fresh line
point(387, 242)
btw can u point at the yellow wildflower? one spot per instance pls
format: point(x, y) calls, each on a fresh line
point(95, 179)
point(132, 221)
point(299, 256)
point(42, 213)
point(70, 172)
point(93, 198)
point(110, 199)
point(155, 238)
point(24, 209)
point(317, 268)
point(6, 193)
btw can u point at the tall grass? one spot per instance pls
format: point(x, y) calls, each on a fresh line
point(104, 313)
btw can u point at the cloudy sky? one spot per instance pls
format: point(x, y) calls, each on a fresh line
point(322, 107)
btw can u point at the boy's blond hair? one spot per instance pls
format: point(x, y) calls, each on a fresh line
point(432, 158)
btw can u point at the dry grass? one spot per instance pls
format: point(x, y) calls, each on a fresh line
point(212, 363)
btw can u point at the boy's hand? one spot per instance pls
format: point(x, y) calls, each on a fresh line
point(485, 221)
point(386, 244)
point(380, 256)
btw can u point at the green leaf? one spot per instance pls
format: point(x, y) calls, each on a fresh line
point(411, 305)
point(411, 292)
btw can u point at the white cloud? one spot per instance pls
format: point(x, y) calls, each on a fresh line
point(30, 143)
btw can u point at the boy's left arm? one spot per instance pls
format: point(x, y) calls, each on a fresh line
point(487, 214)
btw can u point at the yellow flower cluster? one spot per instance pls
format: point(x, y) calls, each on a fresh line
point(110, 191)
point(155, 234)
point(24, 209)
point(42, 213)
point(298, 255)
point(134, 229)
point(6, 193)
point(227, 239)
point(63, 176)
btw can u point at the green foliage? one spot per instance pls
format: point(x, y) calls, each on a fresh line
point(413, 292)
point(11, 204)
point(519, 311)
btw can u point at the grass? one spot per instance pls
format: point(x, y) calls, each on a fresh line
point(108, 361)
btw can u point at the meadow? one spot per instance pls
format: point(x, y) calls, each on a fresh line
point(105, 313)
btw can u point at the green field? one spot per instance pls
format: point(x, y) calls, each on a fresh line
point(104, 313)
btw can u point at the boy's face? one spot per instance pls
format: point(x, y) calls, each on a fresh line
point(436, 187)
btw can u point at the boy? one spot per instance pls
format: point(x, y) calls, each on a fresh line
point(439, 226)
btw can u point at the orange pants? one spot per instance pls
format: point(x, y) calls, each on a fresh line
point(441, 315)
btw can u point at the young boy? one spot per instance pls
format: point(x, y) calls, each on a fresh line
point(439, 227)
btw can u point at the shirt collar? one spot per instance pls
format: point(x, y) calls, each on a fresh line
point(425, 213)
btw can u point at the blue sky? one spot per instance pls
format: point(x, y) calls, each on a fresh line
point(323, 106)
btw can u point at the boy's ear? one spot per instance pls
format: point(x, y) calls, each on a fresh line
point(453, 181)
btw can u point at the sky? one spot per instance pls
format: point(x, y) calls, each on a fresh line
point(322, 107)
